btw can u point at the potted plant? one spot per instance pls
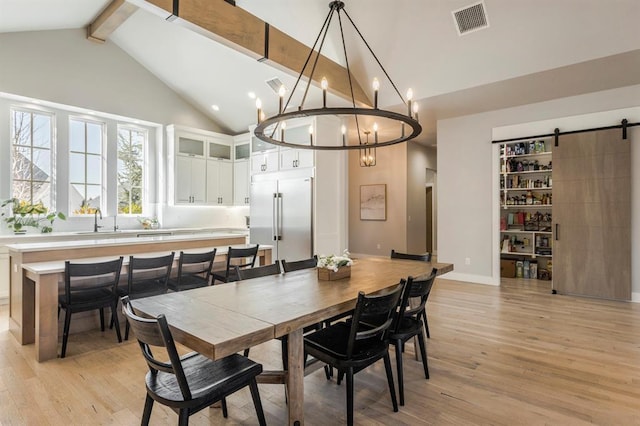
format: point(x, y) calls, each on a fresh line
point(334, 267)
point(25, 214)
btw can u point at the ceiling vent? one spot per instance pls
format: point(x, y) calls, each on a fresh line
point(470, 18)
point(274, 83)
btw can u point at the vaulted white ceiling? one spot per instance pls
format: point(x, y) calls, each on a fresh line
point(533, 50)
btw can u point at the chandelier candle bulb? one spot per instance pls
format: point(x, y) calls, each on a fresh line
point(376, 87)
point(375, 132)
point(259, 107)
point(283, 126)
point(343, 129)
point(324, 85)
point(281, 93)
point(409, 97)
point(311, 134)
point(415, 111)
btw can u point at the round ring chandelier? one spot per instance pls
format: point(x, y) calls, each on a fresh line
point(398, 127)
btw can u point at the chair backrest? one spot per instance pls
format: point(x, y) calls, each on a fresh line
point(83, 277)
point(418, 288)
point(155, 332)
point(299, 264)
point(150, 268)
point(247, 258)
point(258, 271)
point(195, 264)
point(425, 257)
point(373, 316)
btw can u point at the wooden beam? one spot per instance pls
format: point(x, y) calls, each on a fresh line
point(236, 28)
point(111, 18)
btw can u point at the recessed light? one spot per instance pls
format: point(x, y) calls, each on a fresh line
point(215, 107)
point(252, 95)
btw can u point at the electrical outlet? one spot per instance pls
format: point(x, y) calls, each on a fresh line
point(378, 246)
point(467, 261)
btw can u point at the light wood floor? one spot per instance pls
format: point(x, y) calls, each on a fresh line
point(505, 355)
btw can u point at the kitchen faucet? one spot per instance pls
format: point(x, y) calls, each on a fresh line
point(95, 219)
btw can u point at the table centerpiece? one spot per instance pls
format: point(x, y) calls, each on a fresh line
point(334, 267)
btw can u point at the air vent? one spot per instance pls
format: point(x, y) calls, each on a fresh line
point(274, 83)
point(470, 18)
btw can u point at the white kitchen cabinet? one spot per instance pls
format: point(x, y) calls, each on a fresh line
point(295, 158)
point(241, 182)
point(266, 161)
point(190, 179)
point(219, 182)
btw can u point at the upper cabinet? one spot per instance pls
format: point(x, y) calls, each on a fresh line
point(241, 169)
point(200, 168)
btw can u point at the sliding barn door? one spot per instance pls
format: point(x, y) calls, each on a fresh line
point(592, 215)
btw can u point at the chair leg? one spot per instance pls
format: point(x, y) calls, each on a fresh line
point(126, 331)
point(255, 395)
point(183, 417)
point(102, 319)
point(225, 410)
point(116, 321)
point(426, 324)
point(398, 345)
point(350, 396)
point(423, 354)
point(392, 389)
point(340, 376)
point(65, 333)
point(146, 414)
point(246, 353)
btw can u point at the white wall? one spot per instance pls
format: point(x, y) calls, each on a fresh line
point(468, 180)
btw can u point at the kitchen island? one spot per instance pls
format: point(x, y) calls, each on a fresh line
point(33, 316)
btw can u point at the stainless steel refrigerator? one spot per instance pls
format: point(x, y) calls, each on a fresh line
point(282, 216)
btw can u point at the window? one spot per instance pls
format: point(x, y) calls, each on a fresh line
point(131, 143)
point(31, 160)
point(85, 165)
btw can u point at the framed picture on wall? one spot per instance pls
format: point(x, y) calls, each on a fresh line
point(373, 202)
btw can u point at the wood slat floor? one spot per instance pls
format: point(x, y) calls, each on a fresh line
point(507, 355)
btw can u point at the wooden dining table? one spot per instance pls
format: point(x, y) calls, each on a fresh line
point(226, 318)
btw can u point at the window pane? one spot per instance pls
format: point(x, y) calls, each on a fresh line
point(76, 136)
point(130, 170)
point(93, 195)
point(21, 190)
point(76, 167)
point(76, 198)
point(94, 138)
point(41, 131)
point(21, 128)
point(42, 192)
point(21, 163)
point(41, 164)
point(93, 169)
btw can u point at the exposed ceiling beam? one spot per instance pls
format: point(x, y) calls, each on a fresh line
point(236, 28)
point(111, 18)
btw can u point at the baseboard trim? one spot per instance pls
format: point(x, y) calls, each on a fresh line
point(470, 278)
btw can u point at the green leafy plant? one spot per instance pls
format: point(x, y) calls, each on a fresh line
point(24, 213)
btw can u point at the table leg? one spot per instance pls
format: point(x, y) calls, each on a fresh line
point(295, 378)
point(46, 317)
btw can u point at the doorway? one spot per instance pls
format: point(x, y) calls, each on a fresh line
point(429, 219)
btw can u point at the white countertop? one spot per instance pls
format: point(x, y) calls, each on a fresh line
point(10, 239)
point(101, 242)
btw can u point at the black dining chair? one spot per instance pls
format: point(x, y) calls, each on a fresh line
point(148, 276)
point(353, 345)
point(409, 324)
point(241, 258)
point(194, 271)
point(297, 265)
point(87, 287)
point(258, 271)
point(192, 382)
point(425, 257)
